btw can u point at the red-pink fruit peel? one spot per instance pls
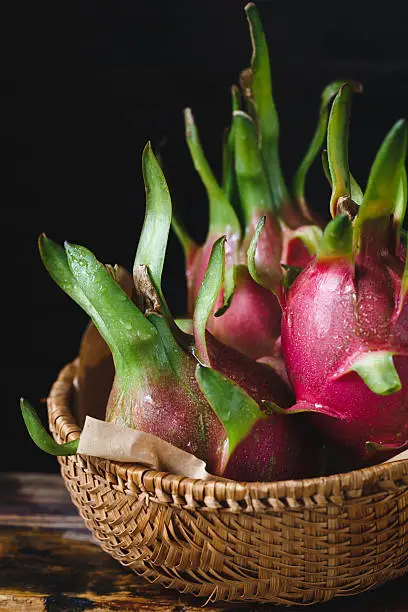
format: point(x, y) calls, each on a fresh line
point(264, 252)
point(206, 299)
point(344, 336)
point(253, 313)
point(260, 447)
point(300, 245)
point(259, 380)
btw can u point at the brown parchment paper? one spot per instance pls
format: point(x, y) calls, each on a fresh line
point(119, 443)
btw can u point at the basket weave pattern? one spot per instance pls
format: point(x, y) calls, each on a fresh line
point(290, 542)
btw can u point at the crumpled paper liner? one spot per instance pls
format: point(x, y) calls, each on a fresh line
point(119, 443)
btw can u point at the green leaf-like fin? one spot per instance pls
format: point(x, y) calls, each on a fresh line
point(298, 186)
point(189, 246)
point(55, 261)
point(41, 437)
point(267, 116)
point(382, 192)
point(207, 296)
point(251, 253)
point(401, 204)
point(356, 191)
point(404, 281)
point(253, 184)
point(223, 219)
point(337, 240)
point(229, 179)
point(337, 146)
point(310, 235)
point(378, 371)
point(176, 356)
point(125, 329)
point(237, 411)
point(228, 165)
point(151, 250)
point(325, 165)
point(185, 325)
point(291, 274)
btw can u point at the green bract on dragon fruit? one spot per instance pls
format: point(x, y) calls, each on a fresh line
point(294, 359)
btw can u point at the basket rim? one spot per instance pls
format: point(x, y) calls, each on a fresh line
point(336, 488)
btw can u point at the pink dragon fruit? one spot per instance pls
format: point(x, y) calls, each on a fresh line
point(166, 383)
point(253, 187)
point(345, 318)
point(261, 444)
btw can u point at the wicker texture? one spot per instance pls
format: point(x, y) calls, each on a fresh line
point(291, 542)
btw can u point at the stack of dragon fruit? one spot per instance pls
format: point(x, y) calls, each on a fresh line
point(293, 359)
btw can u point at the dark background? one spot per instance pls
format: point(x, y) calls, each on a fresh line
point(87, 84)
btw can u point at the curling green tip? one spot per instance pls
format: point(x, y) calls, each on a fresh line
point(41, 437)
point(381, 195)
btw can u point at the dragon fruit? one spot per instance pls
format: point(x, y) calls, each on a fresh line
point(253, 187)
point(261, 444)
point(345, 318)
point(193, 392)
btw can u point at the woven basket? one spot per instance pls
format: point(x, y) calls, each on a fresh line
point(291, 542)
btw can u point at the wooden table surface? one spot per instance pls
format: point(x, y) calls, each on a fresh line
point(49, 562)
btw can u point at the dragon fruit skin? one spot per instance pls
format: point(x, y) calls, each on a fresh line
point(321, 341)
point(345, 318)
point(260, 381)
point(274, 450)
point(263, 441)
point(236, 326)
point(259, 446)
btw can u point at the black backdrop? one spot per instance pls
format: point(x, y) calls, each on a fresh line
point(87, 84)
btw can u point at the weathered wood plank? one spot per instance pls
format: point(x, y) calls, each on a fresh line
point(37, 500)
point(49, 562)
